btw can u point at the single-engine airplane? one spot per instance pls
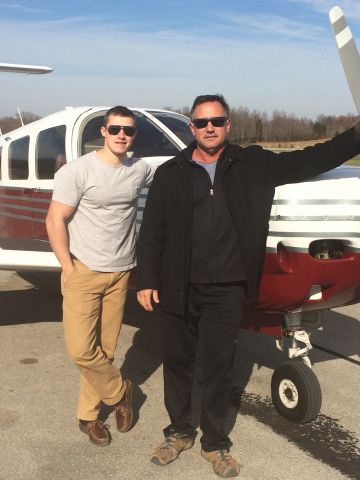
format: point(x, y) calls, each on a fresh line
point(313, 247)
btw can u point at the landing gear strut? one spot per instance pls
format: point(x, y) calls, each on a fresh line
point(295, 389)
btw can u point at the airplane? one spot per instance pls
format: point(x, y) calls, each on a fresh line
point(313, 246)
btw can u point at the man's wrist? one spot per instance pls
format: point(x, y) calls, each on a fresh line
point(68, 266)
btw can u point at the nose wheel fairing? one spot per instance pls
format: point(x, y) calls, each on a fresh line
point(289, 279)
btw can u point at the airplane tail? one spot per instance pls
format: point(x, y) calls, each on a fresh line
point(348, 52)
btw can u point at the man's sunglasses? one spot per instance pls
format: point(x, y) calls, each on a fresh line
point(115, 130)
point(203, 122)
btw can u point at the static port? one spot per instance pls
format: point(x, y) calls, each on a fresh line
point(327, 249)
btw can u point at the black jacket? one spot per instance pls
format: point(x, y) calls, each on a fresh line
point(164, 247)
point(215, 253)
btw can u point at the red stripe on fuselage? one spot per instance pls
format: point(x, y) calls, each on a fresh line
point(21, 209)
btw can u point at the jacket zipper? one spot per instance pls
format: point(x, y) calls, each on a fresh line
point(213, 269)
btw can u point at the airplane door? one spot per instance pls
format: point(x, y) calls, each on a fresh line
point(29, 162)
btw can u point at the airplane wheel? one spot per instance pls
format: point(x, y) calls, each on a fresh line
point(296, 392)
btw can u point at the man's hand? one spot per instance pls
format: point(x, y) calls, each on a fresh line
point(58, 235)
point(146, 296)
point(66, 272)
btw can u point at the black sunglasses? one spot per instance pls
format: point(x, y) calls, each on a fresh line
point(115, 129)
point(215, 121)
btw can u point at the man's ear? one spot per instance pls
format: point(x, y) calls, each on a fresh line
point(102, 131)
point(228, 125)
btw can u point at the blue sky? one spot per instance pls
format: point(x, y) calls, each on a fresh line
point(260, 54)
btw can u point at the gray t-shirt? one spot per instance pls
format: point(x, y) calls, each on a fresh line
point(209, 167)
point(102, 229)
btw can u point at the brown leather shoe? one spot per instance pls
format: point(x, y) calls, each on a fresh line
point(170, 449)
point(98, 432)
point(223, 463)
point(123, 410)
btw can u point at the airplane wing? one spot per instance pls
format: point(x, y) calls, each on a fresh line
point(18, 68)
point(348, 52)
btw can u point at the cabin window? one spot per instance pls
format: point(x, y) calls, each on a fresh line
point(91, 138)
point(18, 158)
point(50, 151)
point(150, 140)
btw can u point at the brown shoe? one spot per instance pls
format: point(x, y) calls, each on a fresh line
point(123, 410)
point(170, 449)
point(98, 432)
point(223, 463)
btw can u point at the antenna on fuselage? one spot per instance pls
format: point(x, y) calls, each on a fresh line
point(21, 120)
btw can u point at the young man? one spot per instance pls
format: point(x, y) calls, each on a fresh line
point(202, 240)
point(91, 227)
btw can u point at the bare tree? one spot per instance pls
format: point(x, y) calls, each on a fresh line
point(11, 123)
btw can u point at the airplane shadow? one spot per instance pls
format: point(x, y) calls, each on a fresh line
point(341, 334)
point(32, 304)
point(254, 351)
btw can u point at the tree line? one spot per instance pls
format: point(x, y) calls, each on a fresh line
point(253, 126)
point(250, 126)
point(7, 124)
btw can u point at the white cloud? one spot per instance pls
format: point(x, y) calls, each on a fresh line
point(351, 8)
point(275, 25)
point(22, 8)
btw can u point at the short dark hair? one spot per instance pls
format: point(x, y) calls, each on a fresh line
point(211, 98)
point(120, 111)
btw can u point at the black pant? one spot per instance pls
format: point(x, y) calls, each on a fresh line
point(213, 311)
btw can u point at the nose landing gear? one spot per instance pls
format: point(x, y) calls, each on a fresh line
point(296, 392)
point(295, 389)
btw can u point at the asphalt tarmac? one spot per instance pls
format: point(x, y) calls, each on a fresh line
point(40, 439)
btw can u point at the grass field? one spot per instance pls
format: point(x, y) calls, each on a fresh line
point(354, 161)
point(289, 146)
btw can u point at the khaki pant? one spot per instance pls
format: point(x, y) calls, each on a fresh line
point(93, 307)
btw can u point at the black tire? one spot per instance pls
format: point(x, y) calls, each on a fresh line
point(296, 392)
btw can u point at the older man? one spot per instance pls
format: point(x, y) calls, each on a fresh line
point(202, 243)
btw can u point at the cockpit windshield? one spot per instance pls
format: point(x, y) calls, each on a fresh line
point(178, 124)
point(150, 141)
